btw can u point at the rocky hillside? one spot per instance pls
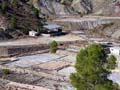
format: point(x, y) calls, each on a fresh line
point(74, 8)
point(77, 7)
point(17, 18)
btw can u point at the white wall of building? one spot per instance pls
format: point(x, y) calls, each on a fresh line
point(32, 33)
point(115, 50)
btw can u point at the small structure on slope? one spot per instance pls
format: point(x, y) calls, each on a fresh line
point(115, 51)
point(33, 33)
point(52, 30)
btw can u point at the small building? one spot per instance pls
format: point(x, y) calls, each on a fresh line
point(115, 50)
point(52, 30)
point(33, 33)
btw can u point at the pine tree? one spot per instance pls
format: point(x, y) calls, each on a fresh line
point(13, 22)
point(91, 73)
point(4, 6)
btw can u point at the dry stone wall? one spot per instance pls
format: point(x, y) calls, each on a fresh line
point(40, 73)
point(21, 50)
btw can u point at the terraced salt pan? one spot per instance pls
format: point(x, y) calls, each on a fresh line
point(65, 38)
point(27, 61)
point(115, 76)
point(67, 71)
point(54, 65)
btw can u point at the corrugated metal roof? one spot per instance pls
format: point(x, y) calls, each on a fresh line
point(51, 26)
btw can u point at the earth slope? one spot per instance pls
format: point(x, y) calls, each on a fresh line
point(77, 7)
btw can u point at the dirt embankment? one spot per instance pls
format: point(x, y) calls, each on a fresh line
point(77, 7)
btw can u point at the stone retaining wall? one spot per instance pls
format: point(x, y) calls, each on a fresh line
point(10, 85)
point(40, 73)
point(21, 50)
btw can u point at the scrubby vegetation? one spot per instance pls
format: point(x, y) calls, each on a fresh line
point(5, 71)
point(21, 15)
point(108, 25)
point(13, 22)
point(53, 46)
point(91, 71)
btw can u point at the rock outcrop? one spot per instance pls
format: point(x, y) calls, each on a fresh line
point(89, 22)
point(63, 7)
point(4, 24)
point(77, 7)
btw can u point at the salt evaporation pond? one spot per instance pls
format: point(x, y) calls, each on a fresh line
point(27, 61)
point(115, 76)
point(67, 71)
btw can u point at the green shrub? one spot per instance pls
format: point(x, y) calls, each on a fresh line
point(119, 38)
point(93, 31)
point(108, 25)
point(36, 12)
point(4, 6)
point(53, 46)
point(15, 2)
point(6, 71)
point(82, 14)
point(111, 62)
point(90, 71)
point(13, 22)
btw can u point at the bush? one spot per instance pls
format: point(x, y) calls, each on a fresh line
point(119, 38)
point(53, 46)
point(111, 63)
point(90, 71)
point(13, 22)
point(6, 71)
point(108, 25)
point(15, 2)
point(93, 31)
point(4, 6)
point(36, 12)
point(81, 14)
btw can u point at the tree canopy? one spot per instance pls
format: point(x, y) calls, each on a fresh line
point(4, 6)
point(91, 73)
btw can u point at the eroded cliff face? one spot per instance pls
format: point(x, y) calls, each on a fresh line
point(76, 7)
point(63, 7)
point(106, 7)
